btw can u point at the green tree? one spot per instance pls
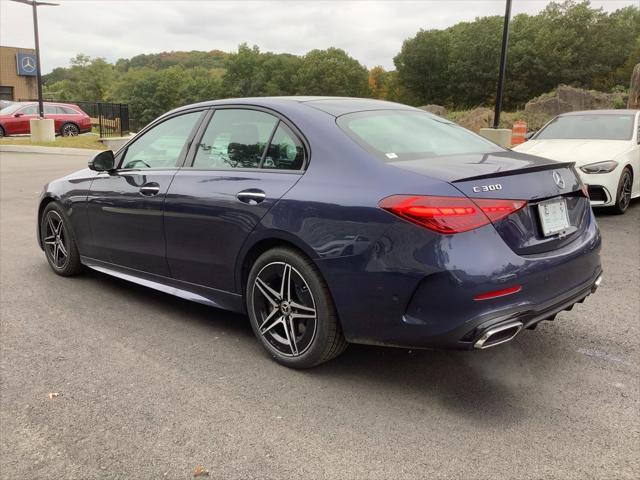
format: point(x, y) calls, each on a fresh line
point(250, 73)
point(147, 92)
point(474, 57)
point(422, 66)
point(87, 79)
point(240, 78)
point(568, 42)
point(332, 72)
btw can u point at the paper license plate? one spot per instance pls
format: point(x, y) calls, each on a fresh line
point(553, 216)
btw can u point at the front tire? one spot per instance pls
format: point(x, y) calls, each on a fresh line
point(291, 310)
point(58, 241)
point(2, 132)
point(623, 195)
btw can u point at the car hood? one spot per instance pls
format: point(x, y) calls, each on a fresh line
point(451, 168)
point(581, 152)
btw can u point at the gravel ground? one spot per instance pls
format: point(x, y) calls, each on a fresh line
point(150, 386)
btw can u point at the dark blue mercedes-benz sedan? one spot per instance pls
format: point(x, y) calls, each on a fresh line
point(332, 220)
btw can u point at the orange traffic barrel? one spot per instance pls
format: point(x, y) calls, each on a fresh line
point(518, 132)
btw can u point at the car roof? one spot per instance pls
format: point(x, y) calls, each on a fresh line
point(600, 112)
point(334, 106)
point(24, 104)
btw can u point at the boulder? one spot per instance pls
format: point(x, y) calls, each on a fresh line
point(634, 88)
point(435, 109)
point(476, 119)
point(569, 99)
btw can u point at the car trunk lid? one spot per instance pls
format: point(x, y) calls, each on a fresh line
point(510, 175)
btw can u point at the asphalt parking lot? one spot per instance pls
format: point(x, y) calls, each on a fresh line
point(150, 386)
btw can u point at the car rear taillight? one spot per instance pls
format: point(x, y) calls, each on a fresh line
point(450, 214)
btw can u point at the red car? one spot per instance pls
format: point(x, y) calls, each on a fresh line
point(69, 119)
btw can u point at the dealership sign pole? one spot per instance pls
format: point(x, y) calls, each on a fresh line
point(34, 5)
point(503, 64)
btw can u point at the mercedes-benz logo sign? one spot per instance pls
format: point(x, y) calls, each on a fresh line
point(28, 64)
point(558, 179)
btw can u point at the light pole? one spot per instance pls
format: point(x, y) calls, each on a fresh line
point(503, 64)
point(34, 5)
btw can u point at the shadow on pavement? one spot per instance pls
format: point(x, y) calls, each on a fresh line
point(488, 387)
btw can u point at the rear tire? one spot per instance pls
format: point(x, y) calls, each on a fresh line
point(291, 310)
point(69, 130)
point(58, 241)
point(623, 194)
point(2, 133)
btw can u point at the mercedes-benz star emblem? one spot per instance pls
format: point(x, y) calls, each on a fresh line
point(558, 179)
point(28, 65)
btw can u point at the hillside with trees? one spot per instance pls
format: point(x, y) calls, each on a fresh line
point(567, 43)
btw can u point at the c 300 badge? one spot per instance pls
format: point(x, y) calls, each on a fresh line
point(487, 188)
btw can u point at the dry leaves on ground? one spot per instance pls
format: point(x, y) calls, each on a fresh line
point(200, 471)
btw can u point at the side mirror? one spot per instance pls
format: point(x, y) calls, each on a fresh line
point(529, 135)
point(103, 161)
point(18, 115)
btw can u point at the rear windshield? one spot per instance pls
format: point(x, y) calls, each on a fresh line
point(395, 135)
point(589, 127)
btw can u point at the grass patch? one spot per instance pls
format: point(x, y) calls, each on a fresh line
point(88, 140)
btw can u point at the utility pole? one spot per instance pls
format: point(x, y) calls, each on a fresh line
point(503, 64)
point(34, 5)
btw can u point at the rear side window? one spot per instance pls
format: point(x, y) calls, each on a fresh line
point(285, 151)
point(395, 135)
point(50, 110)
point(68, 111)
point(235, 138)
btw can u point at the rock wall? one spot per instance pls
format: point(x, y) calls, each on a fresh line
point(435, 109)
point(476, 119)
point(569, 99)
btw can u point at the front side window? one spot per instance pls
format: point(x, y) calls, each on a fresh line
point(161, 147)
point(235, 139)
point(30, 110)
point(588, 127)
point(395, 135)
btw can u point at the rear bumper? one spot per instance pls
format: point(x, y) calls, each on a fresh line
point(528, 318)
point(422, 294)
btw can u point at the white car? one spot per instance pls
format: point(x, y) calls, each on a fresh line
point(604, 144)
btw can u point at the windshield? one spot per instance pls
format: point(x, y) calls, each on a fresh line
point(395, 135)
point(589, 127)
point(11, 108)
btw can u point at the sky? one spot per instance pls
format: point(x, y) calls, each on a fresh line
point(370, 31)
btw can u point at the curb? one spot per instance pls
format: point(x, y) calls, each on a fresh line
point(85, 152)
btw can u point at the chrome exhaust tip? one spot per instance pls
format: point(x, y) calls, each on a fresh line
point(596, 284)
point(497, 335)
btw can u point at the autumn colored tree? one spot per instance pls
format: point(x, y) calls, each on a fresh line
point(379, 80)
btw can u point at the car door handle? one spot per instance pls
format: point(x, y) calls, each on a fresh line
point(252, 196)
point(150, 189)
